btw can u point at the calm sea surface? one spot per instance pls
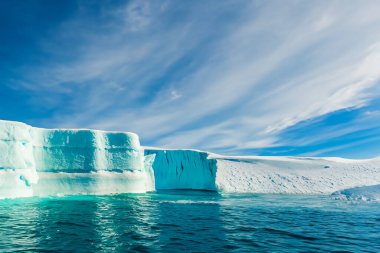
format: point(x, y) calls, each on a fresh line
point(185, 221)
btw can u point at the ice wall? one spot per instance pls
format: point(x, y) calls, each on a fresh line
point(183, 169)
point(86, 150)
point(191, 169)
point(35, 161)
point(295, 175)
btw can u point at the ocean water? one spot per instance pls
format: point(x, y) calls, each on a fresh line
point(189, 221)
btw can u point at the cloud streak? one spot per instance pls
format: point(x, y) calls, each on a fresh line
point(228, 77)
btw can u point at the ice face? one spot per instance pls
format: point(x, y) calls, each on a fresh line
point(36, 161)
point(183, 169)
point(92, 183)
point(148, 166)
point(86, 150)
point(295, 175)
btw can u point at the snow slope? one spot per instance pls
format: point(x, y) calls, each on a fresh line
point(294, 174)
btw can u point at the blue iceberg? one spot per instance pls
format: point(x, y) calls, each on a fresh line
point(38, 162)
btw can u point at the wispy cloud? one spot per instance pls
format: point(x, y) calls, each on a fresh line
point(227, 76)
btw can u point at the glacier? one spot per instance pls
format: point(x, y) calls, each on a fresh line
point(42, 162)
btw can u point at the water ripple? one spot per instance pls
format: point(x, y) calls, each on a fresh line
point(189, 222)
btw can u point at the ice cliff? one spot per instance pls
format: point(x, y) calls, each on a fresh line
point(191, 169)
point(183, 169)
point(36, 161)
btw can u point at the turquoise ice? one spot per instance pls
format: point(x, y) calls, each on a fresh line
point(183, 169)
point(37, 161)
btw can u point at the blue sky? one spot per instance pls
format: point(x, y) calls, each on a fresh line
point(233, 77)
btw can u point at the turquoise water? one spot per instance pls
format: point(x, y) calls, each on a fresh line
point(176, 221)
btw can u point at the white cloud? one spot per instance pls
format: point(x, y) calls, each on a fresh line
point(229, 77)
point(175, 95)
point(137, 15)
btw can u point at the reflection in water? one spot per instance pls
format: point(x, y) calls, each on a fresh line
point(123, 223)
point(174, 221)
point(105, 222)
point(189, 221)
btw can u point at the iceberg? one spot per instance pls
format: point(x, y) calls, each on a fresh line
point(193, 169)
point(39, 162)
